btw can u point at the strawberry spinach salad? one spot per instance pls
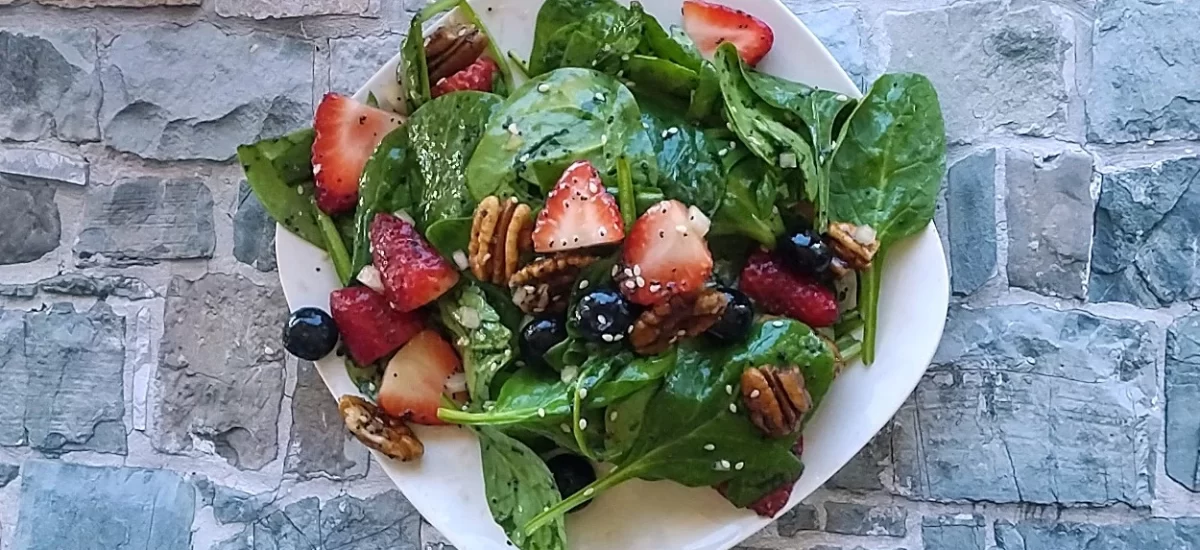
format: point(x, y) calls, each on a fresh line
point(625, 251)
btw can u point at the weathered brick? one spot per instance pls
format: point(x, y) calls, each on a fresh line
point(801, 518)
point(320, 446)
point(959, 532)
point(118, 3)
point(971, 217)
point(48, 84)
point(1050, 217)
point(267, 9)
point(1151, 534)
point(1183, 402)
point(353, 60)
point(847, 518)
point(44, 164)
point(386, 520)
point(146, 220)
point(31, 227)
point(864, 472)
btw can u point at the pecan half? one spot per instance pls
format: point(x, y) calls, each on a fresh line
point(386, 434)
point(776, 398)
point(853, 247)
point(682, 316)
point(453, 48)
point(501, 232)
point(545, 284)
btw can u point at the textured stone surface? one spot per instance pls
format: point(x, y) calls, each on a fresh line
point(1152, 534)
point(48, 84)
point(1147, 72)
point(960, 532)
point(319, 445)
point(197, 92)
point(848, 518)
point(31, 228)
point(220, 378)
point(353, 60)
point(146, 220)
point(1050, 213)
point(8, 472)
point(840, 30)
point(87, 508)
point(18, 291)
point(1017, 56)
point(44, 164)
point(263, 9)
point(253, 232)
point(1183, 402)
point(1028, 404)
point(971, 216)
point(1144, 251)
point(62, 375)
point(118, 3)
point(864, 472)
point(801, 518)
point(385, 521)
point(78, 284)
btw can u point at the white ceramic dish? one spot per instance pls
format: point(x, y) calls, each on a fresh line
point(447, 485)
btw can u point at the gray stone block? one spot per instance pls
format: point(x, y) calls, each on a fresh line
point(44, 164)
point(847, 518)
point(48, 84)
point(197, 92)
point(1144, 252)
point(960, 532)
point(78, 284)
point(971, 216)
point(320, 446)
point(31, 226)
point(220, 378)
point(1018, 56)
point(384, 521)
point(1183, 402)
point(266, 9)
point(147, 220)
point(253, 232)
point(1028, 404)
point(87, 508)
point(118, 3)
point(1146, 84)
point(14, 377)
point(353, 60)
point(864, 472)
point(840, 30)
point(18, 290)
point(1151, 534)
point(801, 518)
point(1050, 218)
point(8, 472)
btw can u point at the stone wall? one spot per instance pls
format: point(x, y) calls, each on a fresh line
point(1060, 413)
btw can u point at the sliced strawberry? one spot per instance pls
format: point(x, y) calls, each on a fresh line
point(347, 133)
point(416, 378)
point(771, 503)
point(413, 272)
point(666, 253)
point(477, 76)
point(711, 25)
point(781, 291)
point(370, 328)
point(579, 213)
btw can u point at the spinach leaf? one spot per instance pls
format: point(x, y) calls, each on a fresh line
point(624, 420)
point(279, 172)
point(483, 341)
point(559, 118)
point(689, 165)
point(384, 187)
point(571, 352)
point(536, 399)
point(519, 486)
point(413, 72)
point(637, 373)
point(583, 33)
point(442, 136)
point(886, 173)
point(675, 46)
point(707, 94)
point(661, 76)
point(450, 235)
point(748, 209)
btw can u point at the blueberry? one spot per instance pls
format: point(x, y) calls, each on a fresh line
point(541, 334)
point(310, 334)
point(734, 325)
point(806, 252)
point(604, 315)
point(571, 473)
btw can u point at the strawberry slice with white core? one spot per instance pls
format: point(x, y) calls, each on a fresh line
point(666, 254)
point(579, 213)
point(416, 378)
point(347, 133)
point(710, 25)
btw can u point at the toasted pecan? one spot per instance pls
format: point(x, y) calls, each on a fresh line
point(545, 284)
point(681, 316)
point(375, 429)
point(776, 398)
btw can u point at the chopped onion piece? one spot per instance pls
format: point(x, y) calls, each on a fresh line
point(700, 222)
point(456, 383)
point(371, 277)
point(864, 235)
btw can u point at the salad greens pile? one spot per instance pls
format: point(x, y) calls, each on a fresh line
point(609, 84)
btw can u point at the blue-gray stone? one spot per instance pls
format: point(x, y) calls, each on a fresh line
point(1050, 215)
point(971, 216)
point(1146, 80)
point(960, 532)
point(801, 518)
point(146, 220)
point(8, 472)
point(18, 290)
point(319, 445)
point(1183, 402)
point(30, 227)
point(383, 522)
point(196, 92)
point(840, 30)
point(67, 506)
point(864, 472)
point(355, 59)
point(220, 376)
point(64, 384)
point(1144, 252)
point(103, 286)
point(848, 518)
point(1150, 534)
point(253, 232)
point(48, 84)
point(234, 506)
point(44, 164)
point(1028, 404)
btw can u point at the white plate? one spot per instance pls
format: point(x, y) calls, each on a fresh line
point(447, 485)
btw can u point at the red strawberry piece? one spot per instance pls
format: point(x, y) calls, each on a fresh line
point(666, 254)
point(415, 378)
point(370, 328)
point(773, 502)
point(347, 133)
point(780, 291)
point(413, 272)
point(710, 25)
point(579, 213)
point(477, 76)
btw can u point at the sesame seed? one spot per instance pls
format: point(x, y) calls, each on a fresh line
point(464, 407)
point(589, 492)
point(646, 125)
point(710, 447)
point(583, 423)
point(625, 57)
point(583, 393)
point(672, 131)
point(682, 229)
point(583, 284)
point(728, 389)
point(543, 88)
point(630, 284)
point(777, 324)
point(725, 464)
point(628, 272)
point(841, 97)
point(612, 416)
point(681, 333)
point(640, 282)
point(732, 145)
point(722, 152)
point(618, 337)
point(665, 135)
point(630, 330)
point(541, 413)
point(565, 428)
point(593, 188)
point(545, 508)
point(600, 97)
point(655, 287)
point(524, 158)
point(512, 129)
point(637, 269)
point(720, 465)
point(754, 394)
point(606, 337)
point(733, 408)
point(602, 319)
point(739, 466)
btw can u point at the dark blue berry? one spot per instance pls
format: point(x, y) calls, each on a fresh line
point(541, 334)
point(806, 252)
point(310, 334)
point(734, 325)
point(571, 473)
point(604, 315)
